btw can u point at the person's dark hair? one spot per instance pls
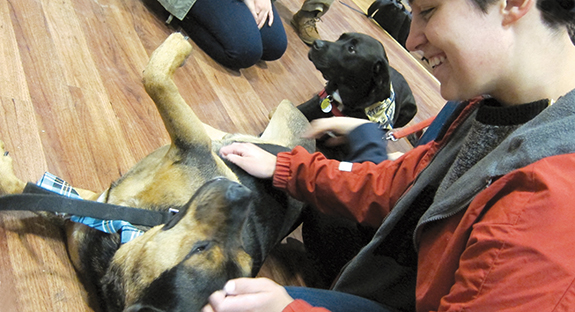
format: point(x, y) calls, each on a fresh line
point(555, 13)
point(558, 12)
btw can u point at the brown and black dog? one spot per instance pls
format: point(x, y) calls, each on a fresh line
point(227, 223)
point(358, 77)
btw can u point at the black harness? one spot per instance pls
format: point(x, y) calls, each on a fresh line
point(35, 198)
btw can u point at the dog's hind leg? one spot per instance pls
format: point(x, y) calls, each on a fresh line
point(180, 121)
point(184, 127)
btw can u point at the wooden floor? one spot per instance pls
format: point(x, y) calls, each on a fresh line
point(71, 103)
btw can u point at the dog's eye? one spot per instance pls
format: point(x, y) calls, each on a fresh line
point(200, 247)
point(351, 49)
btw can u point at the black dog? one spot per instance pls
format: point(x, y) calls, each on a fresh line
point(360, 83)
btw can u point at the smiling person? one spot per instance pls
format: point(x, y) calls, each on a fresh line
point(235, 33)
point(481, 219)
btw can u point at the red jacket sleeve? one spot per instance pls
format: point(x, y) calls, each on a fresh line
point(299, 305)
point(360, 191)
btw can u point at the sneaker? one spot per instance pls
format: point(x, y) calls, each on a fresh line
point(304, 24)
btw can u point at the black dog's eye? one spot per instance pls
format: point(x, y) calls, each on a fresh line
point(351, 49)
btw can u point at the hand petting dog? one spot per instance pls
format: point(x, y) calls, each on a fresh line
point(254, 160)
point(245, 294)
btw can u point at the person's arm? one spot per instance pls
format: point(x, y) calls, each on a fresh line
point(364, 192)
point(365, 139)
point(261, 164)
point(367, 143)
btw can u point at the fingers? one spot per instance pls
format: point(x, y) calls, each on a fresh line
point(261, 21)
point(248, 294)
point(208, 308)
point(320, 127)
point(251, 158)
point(241, 286)
point(270, 17)
point(233, 149)
point(263, 16)
point(236, 153)
point(262, 11)
point(334, 126)
point(252, 7)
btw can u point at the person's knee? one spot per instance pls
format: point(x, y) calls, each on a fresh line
point(243, 57)
point(274, 52)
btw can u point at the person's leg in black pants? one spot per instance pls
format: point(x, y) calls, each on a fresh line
point(228, 33)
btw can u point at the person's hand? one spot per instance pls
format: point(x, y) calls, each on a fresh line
point(249, 294)
point(251, 158)
point(337, 128)
point(261, 10)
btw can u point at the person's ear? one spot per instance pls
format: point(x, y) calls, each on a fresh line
point(513, 10)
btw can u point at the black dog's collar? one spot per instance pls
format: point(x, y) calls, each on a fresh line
point(381, 112)
point(327, 103)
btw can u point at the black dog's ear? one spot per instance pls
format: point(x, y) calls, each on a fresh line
point(377, 68)
point(381, 75)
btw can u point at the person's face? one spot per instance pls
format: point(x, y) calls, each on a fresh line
point(465, 46)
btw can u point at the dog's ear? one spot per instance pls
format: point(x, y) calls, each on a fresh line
point(381, 76)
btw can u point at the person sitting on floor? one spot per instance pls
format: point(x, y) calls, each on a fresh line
point(481, 218)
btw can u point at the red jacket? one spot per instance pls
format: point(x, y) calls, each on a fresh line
point(513, 246)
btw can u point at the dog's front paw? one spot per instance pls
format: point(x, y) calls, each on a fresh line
point(9, 183)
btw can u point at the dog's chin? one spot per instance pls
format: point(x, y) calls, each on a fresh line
point(324, 70)
point(320, 64)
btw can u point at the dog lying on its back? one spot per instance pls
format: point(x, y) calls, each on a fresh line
point(360, 83)
point(227, 223)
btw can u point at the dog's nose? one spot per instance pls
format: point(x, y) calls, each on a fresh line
point(318, 44)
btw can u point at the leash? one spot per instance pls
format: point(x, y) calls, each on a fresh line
point(36, 198)
point(396, 135)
